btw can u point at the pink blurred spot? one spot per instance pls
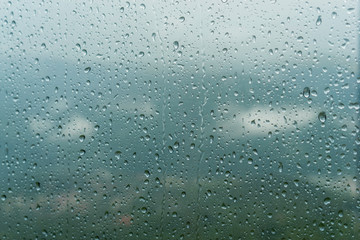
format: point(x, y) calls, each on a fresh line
point(126, 220)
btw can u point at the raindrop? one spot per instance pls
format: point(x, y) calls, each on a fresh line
point(82, 138)
point(322, 117)
point(37, 186)
point(327, 201)
point(306, 92)
point(281, 167)
point(117, 154)
point(341, 213)
point(318, 21)
point(176, 45)
point(3, 197)
point(88, 69)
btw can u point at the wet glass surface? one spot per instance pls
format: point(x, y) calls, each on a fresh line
point(179, 120)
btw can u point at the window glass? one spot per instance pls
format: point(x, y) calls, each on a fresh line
point(212, 119)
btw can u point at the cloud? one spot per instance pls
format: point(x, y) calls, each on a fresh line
point(261, 121)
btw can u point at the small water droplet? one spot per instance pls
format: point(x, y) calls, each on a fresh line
point(281, 167)
point(327, 201)
point(171, 150)
point(3, 197)
point(318, 21)
point(322, 117)
point(306, 92)
point(117, 154)
point(88, 69)
point(37, 186)
point(341, 213)
point(82, 138)
point(176, 45)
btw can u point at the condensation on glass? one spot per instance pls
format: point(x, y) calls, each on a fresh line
point(179, 120)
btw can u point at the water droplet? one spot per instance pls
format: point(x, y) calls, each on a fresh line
point(250, 161)
point(82, 138)
point(281, 167)
point(318, 21)
point(117, 154)
point(88, 69)
point(176, 45)
point(3, 197)
point(341, 213)
point(306, 92)
point(322, 117)
point(327, 201)
point(37, 186)
point(171, 150)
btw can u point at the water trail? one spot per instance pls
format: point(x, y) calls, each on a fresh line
point(163, 123)
point(202, 124)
